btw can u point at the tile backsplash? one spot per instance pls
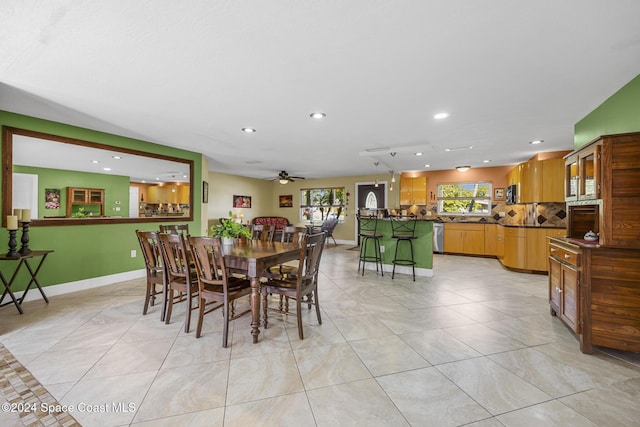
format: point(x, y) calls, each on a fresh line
point(542, 214)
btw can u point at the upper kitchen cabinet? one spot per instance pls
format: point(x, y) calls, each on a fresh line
point(91, 200)
point(582, 173)
point(540, 181)
point(413, 190)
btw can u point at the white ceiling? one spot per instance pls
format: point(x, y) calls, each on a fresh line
point(192, 74)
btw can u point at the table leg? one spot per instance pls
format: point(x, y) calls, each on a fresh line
point(255, 308)
point(7, 289)
point(34, 274)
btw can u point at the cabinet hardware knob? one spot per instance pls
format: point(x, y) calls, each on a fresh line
point(553, 249)
point(567, 256)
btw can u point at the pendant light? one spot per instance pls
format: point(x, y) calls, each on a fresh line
point(393, 170)
point(376, 184)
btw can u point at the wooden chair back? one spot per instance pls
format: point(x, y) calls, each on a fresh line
point(150, 247)
point(262, 232)
point(176, 229)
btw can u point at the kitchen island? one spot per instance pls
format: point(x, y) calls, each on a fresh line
point(422, 249)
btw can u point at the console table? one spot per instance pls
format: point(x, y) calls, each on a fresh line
point(23, 259)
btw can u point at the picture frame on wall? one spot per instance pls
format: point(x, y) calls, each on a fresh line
point(498, 194)
point(205, 192)
point(286, 201)
point(241, 201)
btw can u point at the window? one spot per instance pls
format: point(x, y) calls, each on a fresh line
point(464, 198)
point(317, 204)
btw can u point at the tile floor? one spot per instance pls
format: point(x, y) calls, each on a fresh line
point(474, 345)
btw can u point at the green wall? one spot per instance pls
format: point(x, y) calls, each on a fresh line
point(87, 251)
point(618, 114)
point(116, 188)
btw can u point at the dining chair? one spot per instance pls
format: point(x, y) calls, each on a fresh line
point(176, 229)
point(181, 277)
point(262, 232)
point(290, 234)
point(328, 226)
point(155, 270)
point(218, 288)
point(303, 288)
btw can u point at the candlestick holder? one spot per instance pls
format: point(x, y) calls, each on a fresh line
point(13, 243)
point(25, 239)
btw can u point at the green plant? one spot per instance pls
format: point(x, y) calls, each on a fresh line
point(229, 228)
point(80, 214)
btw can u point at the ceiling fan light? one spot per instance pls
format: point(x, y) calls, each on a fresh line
point(284, 181)
point(463, 168)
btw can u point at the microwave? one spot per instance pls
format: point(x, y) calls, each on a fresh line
point(512, 194)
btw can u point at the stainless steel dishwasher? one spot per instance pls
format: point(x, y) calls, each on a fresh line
point(438, 237)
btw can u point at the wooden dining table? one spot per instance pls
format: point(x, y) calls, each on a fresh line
point(253, 257)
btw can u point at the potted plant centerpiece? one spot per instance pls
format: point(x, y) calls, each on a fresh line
point(229, 230)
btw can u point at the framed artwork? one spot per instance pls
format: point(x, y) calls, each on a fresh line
point(205, 192)
point(286, 201)
point(241, 201)
point(52, 198)
point(498, 194)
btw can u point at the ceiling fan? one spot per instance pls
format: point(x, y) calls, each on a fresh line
point(283, 177)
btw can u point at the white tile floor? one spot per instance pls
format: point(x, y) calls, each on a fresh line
point(474, 345)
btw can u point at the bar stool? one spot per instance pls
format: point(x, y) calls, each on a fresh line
point(403, 230)
point(369, 233)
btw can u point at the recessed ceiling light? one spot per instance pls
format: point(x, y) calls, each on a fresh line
point(427, 166)
point(107, 169)
point(418, 154)
point(116, 157)
point(317, 115)
point(95, 161)
point(441, 116)
point(537, 141)
point(486, 161)
point(248, 130)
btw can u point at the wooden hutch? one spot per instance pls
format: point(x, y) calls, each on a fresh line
point(594, 287)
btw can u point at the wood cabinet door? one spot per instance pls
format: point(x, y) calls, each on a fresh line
point(570, 297)
point(531, 182)
point(453, 239)
point(553, 180)
point(571, 178)
point(474, 242)
point(499, 242)
point(537, 249)
point(515, 248)
point(555, 285)
point(406, 190)
point(420, 190)
point(490, 239)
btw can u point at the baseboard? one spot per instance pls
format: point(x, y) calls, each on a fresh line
point(94, 282)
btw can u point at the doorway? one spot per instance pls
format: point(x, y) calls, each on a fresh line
point(368, 196)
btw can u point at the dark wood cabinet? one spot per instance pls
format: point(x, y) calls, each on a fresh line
point(598, 295)
point(90, 199)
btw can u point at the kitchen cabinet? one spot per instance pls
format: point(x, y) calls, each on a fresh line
point(491, 239)
point(464, 238)
point(541, 181)
point(595, 291)
point(171, 193)
point(515, 247)
point(564, 290)
point(413, 190)
point(582, 174)
point(500, 243)
point(525, 248)
point(90, 199)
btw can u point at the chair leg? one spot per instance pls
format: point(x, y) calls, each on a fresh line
point(200, 318)
point(265, 307)
point(379, 257)
point(413, 260)
point(315, 299)
point(225, 331)
point(299, 316)
point(187, 320)
point(150, 290)
point(395, 257)
point(169, 306)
